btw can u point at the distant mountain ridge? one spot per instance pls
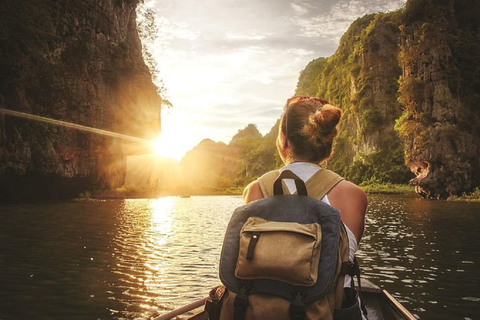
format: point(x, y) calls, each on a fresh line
point(214, 166)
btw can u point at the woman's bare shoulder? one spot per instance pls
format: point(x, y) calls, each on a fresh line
point(252, 192)
point(352, 202)
point(348, 189)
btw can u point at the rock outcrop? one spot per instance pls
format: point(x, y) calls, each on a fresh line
point(440, 89)
point(79, 62)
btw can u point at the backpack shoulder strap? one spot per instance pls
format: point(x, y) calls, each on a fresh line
point(322, 182)
point(318, 185)
point(343, 268)
point(266, 182)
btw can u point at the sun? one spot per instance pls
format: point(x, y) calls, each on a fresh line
point(167, 146)
point(174, 141)
point(158, 146)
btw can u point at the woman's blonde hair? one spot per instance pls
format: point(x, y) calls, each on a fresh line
point(309, 125)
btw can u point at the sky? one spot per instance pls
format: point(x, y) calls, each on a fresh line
point(228, 63)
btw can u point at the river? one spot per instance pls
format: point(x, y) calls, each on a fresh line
point(135, 259)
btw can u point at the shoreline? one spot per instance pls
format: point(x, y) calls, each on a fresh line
point(123, 193)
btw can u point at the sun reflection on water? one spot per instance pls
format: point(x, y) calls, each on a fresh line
point(145, 253)
point(158, 262)
point(161, 220)
point(167, 251)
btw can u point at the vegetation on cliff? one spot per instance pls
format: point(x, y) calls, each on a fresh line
point(414, 70)
point(362, 78)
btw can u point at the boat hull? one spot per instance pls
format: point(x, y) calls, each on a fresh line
point(379, 303)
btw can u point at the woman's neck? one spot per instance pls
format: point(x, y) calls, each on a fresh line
point(290, 161)
point(300, 161)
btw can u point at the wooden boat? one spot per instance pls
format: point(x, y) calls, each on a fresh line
point(380, 305)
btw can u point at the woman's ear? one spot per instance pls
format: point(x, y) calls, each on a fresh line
point(282, 138)
point(282, 150)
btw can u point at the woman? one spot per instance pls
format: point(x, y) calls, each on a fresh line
point(306, 133)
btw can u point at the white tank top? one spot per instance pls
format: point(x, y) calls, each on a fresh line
point(304, 170)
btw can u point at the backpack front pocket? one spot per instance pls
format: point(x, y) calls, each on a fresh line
point(284, 251)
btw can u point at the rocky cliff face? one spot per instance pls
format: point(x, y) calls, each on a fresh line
point(440, 88)
point(79, 62)
point(362, 79)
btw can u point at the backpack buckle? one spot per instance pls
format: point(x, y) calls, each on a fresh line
point(240, 303)
point(298, 309)
point(350, 268)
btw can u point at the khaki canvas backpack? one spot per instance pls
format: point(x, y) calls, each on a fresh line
point(286, 256)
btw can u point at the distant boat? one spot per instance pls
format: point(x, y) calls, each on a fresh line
point(379, 303)
point(184, 196)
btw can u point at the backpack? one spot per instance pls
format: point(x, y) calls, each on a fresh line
point(285, 256)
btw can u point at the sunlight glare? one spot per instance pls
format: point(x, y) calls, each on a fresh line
point(175, 139)
point(160, 146)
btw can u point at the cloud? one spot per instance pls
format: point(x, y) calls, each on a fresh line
point(333, 23)
point(240, 36)
point(169, 32)
point(299, 9)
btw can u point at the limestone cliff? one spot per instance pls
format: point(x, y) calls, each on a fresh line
point(440, 89)
point(75, 61)
point(362, 79)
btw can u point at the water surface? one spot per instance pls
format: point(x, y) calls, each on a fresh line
point(135, 259)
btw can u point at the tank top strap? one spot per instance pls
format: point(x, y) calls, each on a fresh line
point(266, 182)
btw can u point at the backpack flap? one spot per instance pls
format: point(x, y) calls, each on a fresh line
point(283, 251)
point(299, 210)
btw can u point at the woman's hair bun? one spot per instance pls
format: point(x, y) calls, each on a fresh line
point(322, 124)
